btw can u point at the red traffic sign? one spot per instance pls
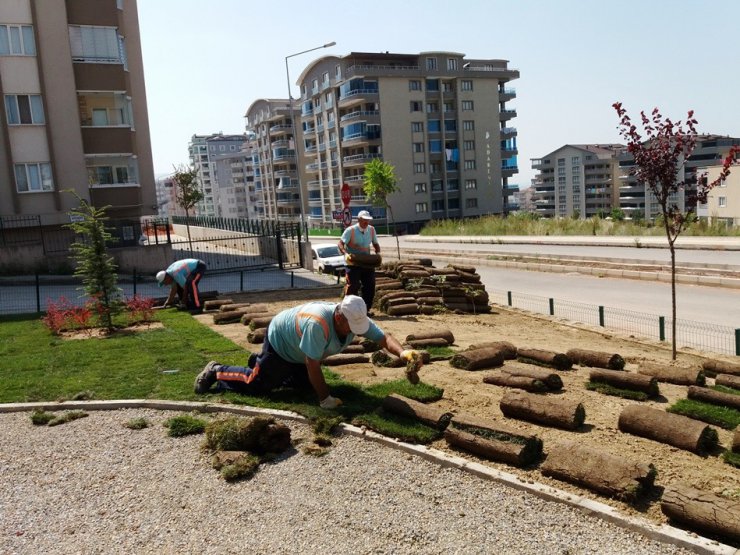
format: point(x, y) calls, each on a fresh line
point(346, 194)
point(337, 215)
point(347, 219)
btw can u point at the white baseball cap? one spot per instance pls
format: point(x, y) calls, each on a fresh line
point(364, 214)
point(354, 309)
point(160, 277)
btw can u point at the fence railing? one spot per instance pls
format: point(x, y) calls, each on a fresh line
point(697, 335)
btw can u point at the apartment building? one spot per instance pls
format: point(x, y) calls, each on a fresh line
point(203, 150)
point(723, 202)
point(577, 180)
point(236, 198)
point(74, 113)
point(440, 119)
point(636, 200)
point(279, 182)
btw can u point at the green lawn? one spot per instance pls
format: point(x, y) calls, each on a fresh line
point(39, 366)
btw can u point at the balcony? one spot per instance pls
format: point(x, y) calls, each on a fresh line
point(507, 115)
point(281, 128)
point(359, 114)
point(316, 166)
point(359, 159)
point(280, 143)
point(357, 96)
point(506, 94)
point(508, 132)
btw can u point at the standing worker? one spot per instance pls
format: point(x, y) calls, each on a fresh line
point(296, 342)
point(361, 263)
point(183, 276)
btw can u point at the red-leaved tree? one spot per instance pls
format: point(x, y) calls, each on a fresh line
point(659, 157)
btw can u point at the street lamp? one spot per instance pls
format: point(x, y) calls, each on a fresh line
point(292, 119)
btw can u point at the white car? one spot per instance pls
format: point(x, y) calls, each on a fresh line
point(327, 258)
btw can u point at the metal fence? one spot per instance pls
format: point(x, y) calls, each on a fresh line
point(32, 294)
point(697, 335)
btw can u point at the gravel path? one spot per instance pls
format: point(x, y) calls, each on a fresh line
point(94, 486)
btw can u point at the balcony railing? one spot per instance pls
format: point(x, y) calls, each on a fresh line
point(358, 114)
point(360, 157)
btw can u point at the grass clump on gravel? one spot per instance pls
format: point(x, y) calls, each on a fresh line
point(68, 416)
point(607, 389)
point(724, 417)
point(184, 425)
point(137, 424)
point(41, 417)
point(400, 427)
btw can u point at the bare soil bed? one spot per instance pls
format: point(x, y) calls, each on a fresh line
point(465, 391)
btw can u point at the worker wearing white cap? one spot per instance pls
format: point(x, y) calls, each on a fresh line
point(183, 277)
point(356, 243)
point(296, 342)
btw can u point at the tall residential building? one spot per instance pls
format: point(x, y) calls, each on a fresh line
point(723, 202)
point(275, 161)
point(74, 113)
point(577, 179)
point(236, 197)
point(203, 150)
point(635, 199)
point(440, 119)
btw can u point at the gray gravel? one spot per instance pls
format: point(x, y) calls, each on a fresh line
point(94, 486)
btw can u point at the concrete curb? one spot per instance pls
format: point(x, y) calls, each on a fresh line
point(662, 533)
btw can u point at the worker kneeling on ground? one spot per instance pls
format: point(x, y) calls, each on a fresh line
point(296, 342)
point(183, 276)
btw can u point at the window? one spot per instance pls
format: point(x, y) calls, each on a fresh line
point(451, 64)
point(561, 180)
point(418, 147)
point(416, 106)
point(31, 178)
point(722, 201)
point(469, 164)
point(468, 125)
point(471, 203)
point(431, 63)
point(561, 171)
point(447, 87)
point(469, 145)
point(314, 85)
point(432, 107)
point(337, 71)
point(95, 44)
point(561, 161)
point(453, 185)
point(467, 105)
point(576, 179)
point(575, 160)
point(433, 125)
point(420, 188)
point(325, 78)
point(435, 146)
point(471, 184)
point(23, 109)
point(450, 125)
point(17, 40)
point(449, 106)
point(466, 85)
point(420, 168)
point(414, 85)
point(422, 207)
point(435, 167)
point(417, 127)
point(432, 84)
point(438, 205)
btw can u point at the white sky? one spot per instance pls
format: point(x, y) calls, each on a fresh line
point(206, 62)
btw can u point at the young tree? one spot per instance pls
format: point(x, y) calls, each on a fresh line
point(94, 264)
point(188, 192)
point(659, 158)
point(379, 182)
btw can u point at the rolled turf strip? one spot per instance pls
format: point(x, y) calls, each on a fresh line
point(673, 429)
point(478, 359)
point(559, 361)
point(673, 374)
point(404, 406)
point(702, 511)
point(596, 359)
point(561, 413)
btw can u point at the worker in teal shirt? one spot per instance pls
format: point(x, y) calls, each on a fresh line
point(183, 277)
point(356, 243)
point(296, 342)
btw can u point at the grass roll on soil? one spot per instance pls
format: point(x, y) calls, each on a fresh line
point(508, 349)
point(672, 374)
point(404, 406)
point(702, 511)
point(596, 359)
point(626, 380)
point(478, 359)
point(673, 429)
point(447, 335)
point(550, 411)
point(559, 361)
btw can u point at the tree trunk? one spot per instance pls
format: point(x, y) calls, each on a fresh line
point(395, 232)
point(553, 381)
point(664, 427)
point(714, 397)
point(550, 411)
point(187, 225)
point(508, 349)
point(516, 382)
point(445, 334)
point(727, 380)
point(626, 380)
point(605, 473)
point(404, 406)
point(672, 374)
point(559, 361)
point(596, 359)
point(702, 511)
point(257, 336)
point(478, 359)
point(714, 367)
point(247, 318)
point(509, 452)
point(341, 359)
point(673, 292)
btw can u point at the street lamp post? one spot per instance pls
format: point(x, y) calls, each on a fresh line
point(292, 119)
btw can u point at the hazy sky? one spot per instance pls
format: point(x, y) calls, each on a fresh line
point(206, 62)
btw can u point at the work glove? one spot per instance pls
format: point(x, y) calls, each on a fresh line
point(409, 355)
point(330, 402)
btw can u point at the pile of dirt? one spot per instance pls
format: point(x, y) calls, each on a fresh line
point(465, 391)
